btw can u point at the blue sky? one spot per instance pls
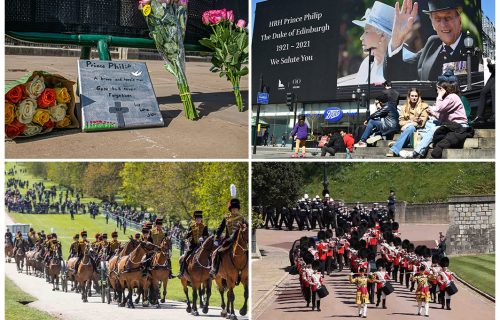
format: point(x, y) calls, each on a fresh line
point(488, 8)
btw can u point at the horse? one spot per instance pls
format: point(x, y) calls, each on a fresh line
point(198, 275)
point(54, 268)
point(113, 280)
point(85, 273)
point(31, 259)
point(130, 273)
point(160, 269)
point(9, 250)
point(20, 255)
point(233, 269)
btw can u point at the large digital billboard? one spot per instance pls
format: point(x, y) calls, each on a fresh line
point(409, 41)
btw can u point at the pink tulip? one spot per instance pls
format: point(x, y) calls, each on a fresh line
point(241, 24)
point(230, 15)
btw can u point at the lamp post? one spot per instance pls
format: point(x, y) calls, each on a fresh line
point(469, 51)
point(358, 95)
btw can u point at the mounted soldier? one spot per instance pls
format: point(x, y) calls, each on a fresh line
point(114, 244)
point(230, 224)
point(81, 249)
point(197, 233)
point(73, 249)
point(18, 241)
point(31, 238)
point(157, 233)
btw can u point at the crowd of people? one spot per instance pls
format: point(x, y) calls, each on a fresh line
point(371, 246)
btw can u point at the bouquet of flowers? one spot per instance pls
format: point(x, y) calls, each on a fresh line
point(166, 20)
point(229, 41)
point(37, 103)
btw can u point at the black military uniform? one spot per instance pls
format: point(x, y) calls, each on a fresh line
point(197, 233)
point(8, 237)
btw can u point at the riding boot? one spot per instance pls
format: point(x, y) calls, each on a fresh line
point(383, 304)
point(181, 269)
point(318, 303)
point(170, 276)
point(448, 304)
point(215, 266)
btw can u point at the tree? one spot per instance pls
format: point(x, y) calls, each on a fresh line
point(276, 184)
point(102, 179)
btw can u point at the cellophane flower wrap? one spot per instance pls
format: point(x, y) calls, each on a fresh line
point(229, 41)
point(166, 20)
point(37, 102)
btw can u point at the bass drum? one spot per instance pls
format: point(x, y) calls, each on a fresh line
point(322, 292)
point(452, 288)
point(388, 288)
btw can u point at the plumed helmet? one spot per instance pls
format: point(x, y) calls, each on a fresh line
point(234, 203)
point(198, 214)
point(83, 233)
point(114, 234)
point(158, 221)
point(137, 236)
point(444, 262)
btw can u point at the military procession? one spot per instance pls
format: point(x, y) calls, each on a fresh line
point(369, 243)
point(142, 264)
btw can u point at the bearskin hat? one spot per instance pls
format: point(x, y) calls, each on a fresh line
point(418, 250)
point(304, 241)
point(316, 265)
point(397, 241)
point(388, 236)
point(395, 226)
point(339, 232)
point(405, 244)
point(308, 257)
point(411, 247)
point(329, 233)
point(362, 243)
point(321, 235)
point(311, 243)
point(380, 263)
point(427, 252)
point(444, 262)
point(435, 258)
point(363, 253)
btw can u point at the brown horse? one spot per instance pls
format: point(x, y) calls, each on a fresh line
point(31, 259)
point(54, 268)
point(9, 251)
point(160, 269)
point(197, 274)
point(233, 269)
point(113, 280)
point(130, 273)
point(85, 273)
point(20, 254)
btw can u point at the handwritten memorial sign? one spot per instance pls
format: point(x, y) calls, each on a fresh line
point(117, 95)
point(295, 48)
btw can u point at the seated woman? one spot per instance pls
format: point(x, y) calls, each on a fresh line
point(384, 121)
point(449, 107)
point(413, 116)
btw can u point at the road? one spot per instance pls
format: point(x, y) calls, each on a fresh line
point(220, 133)
point(69, 306)
point(283, 298)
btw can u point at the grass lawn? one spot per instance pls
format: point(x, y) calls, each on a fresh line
point(66, 228)
point(478, 270)
point(14, 310)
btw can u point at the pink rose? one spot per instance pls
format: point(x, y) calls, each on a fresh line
point(215, 17)
point(205, 18)
point(241, 24)
point(230, 15)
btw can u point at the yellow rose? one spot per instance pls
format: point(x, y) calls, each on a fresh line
point(35, 87)
point(64, 122)
point(26, 110)
point(62, 95)
point(10, 112)
point(32, 129)
point(41, 117)
point(58, 112)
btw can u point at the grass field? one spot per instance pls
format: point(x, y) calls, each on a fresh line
point(66, 228)
point(478, 270)
point(16, 310)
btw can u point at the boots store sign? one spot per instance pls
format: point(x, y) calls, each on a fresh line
point(333, 114)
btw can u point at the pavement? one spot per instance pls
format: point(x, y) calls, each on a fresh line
point(280, 295)
point(279, 152)
point(73, 308)
point(221, 131)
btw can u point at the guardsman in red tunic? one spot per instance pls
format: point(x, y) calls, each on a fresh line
point(322, 247)
point(445, 277)
point(380, 278)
